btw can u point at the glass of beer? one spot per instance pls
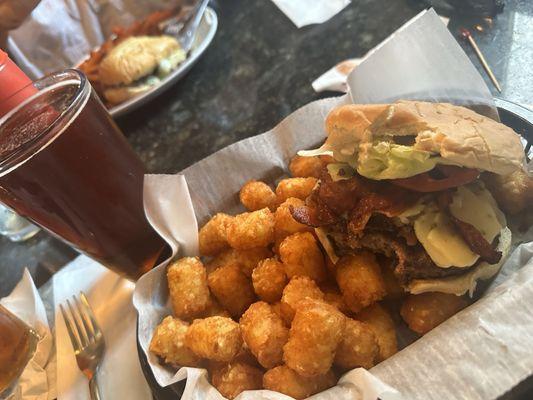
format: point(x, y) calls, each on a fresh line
point(65, 165)
point(17, 345)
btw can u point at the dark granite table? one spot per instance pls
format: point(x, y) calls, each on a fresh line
point(259, 69)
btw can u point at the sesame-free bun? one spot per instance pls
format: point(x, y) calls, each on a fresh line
point(347, 124)
point(458, 134)
point(353, 119)
point(135, 58)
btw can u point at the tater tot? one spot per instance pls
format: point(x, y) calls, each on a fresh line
point(304, 167)
point(269, 280)
point(327, 159)
point(284, 223)
point(168, 343)
point(253, 229)
point(358, 347)
point(300, 188)
point(276, 308)
point(330, 266)
point(284, 380)
point(236, 377)
point(246, 356)
point(315, 333)
point(246, 259)
point(212, 237)
point(296, 290)
point(382, 324)
point(214, 309)
point(255, 195)
point(232, 289)
point(243, 356)
point(214, 338)
point(513, 192)
point(187, 284)
point(302, 257)
point(333, 296)
point(360, 281)
point(423, 312)
point(392, 286)
point(264, 333)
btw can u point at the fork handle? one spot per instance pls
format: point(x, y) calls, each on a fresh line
point(93, 389)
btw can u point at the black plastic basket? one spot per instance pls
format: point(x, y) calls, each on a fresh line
point(511, 114)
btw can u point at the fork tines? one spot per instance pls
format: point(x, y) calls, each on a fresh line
point(80, 322)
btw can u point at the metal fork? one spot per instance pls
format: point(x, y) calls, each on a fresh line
point(86, 337)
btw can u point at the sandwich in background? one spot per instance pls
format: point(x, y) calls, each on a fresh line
point(137, 64)
point(134, 59)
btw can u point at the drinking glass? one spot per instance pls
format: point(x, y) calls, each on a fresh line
point(17, 345)
point(65, 165)
point(15, 87)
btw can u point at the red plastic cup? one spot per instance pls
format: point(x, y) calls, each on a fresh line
point(14, 84)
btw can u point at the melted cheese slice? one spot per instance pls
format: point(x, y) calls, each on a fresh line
point(437, 234)
point(475, 205)
point(441, 240)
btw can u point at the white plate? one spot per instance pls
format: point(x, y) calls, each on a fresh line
point(204, 36)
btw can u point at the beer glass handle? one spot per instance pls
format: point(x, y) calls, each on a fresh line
point(93, 388)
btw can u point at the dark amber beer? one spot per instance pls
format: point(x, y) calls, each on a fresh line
point(65, 165)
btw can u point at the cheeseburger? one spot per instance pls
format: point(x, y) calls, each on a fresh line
point(406, 184)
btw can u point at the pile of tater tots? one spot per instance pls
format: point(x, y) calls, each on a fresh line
point(264, 307)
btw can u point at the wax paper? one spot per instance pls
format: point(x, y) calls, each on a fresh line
point(307, 12)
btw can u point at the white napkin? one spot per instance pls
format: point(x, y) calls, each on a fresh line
point(335, 78)
point(37, 381)
point(120, 375)
point(307, 12)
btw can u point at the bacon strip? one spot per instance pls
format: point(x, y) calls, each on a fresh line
point(356, 198)
point(473, 238)
point(453, 177)
point(477, 243)
point(305, 215)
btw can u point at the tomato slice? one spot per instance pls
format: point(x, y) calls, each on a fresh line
point(452, 177)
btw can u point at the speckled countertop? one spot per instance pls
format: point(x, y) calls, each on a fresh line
point(259, 69)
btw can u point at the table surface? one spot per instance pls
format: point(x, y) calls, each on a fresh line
point(258, 70)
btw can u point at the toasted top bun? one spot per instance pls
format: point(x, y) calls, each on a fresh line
point(135, 58)
point(457, 134)
point(353, 119)
point(346, 125)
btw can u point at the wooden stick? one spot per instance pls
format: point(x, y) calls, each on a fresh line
point(465, 33)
